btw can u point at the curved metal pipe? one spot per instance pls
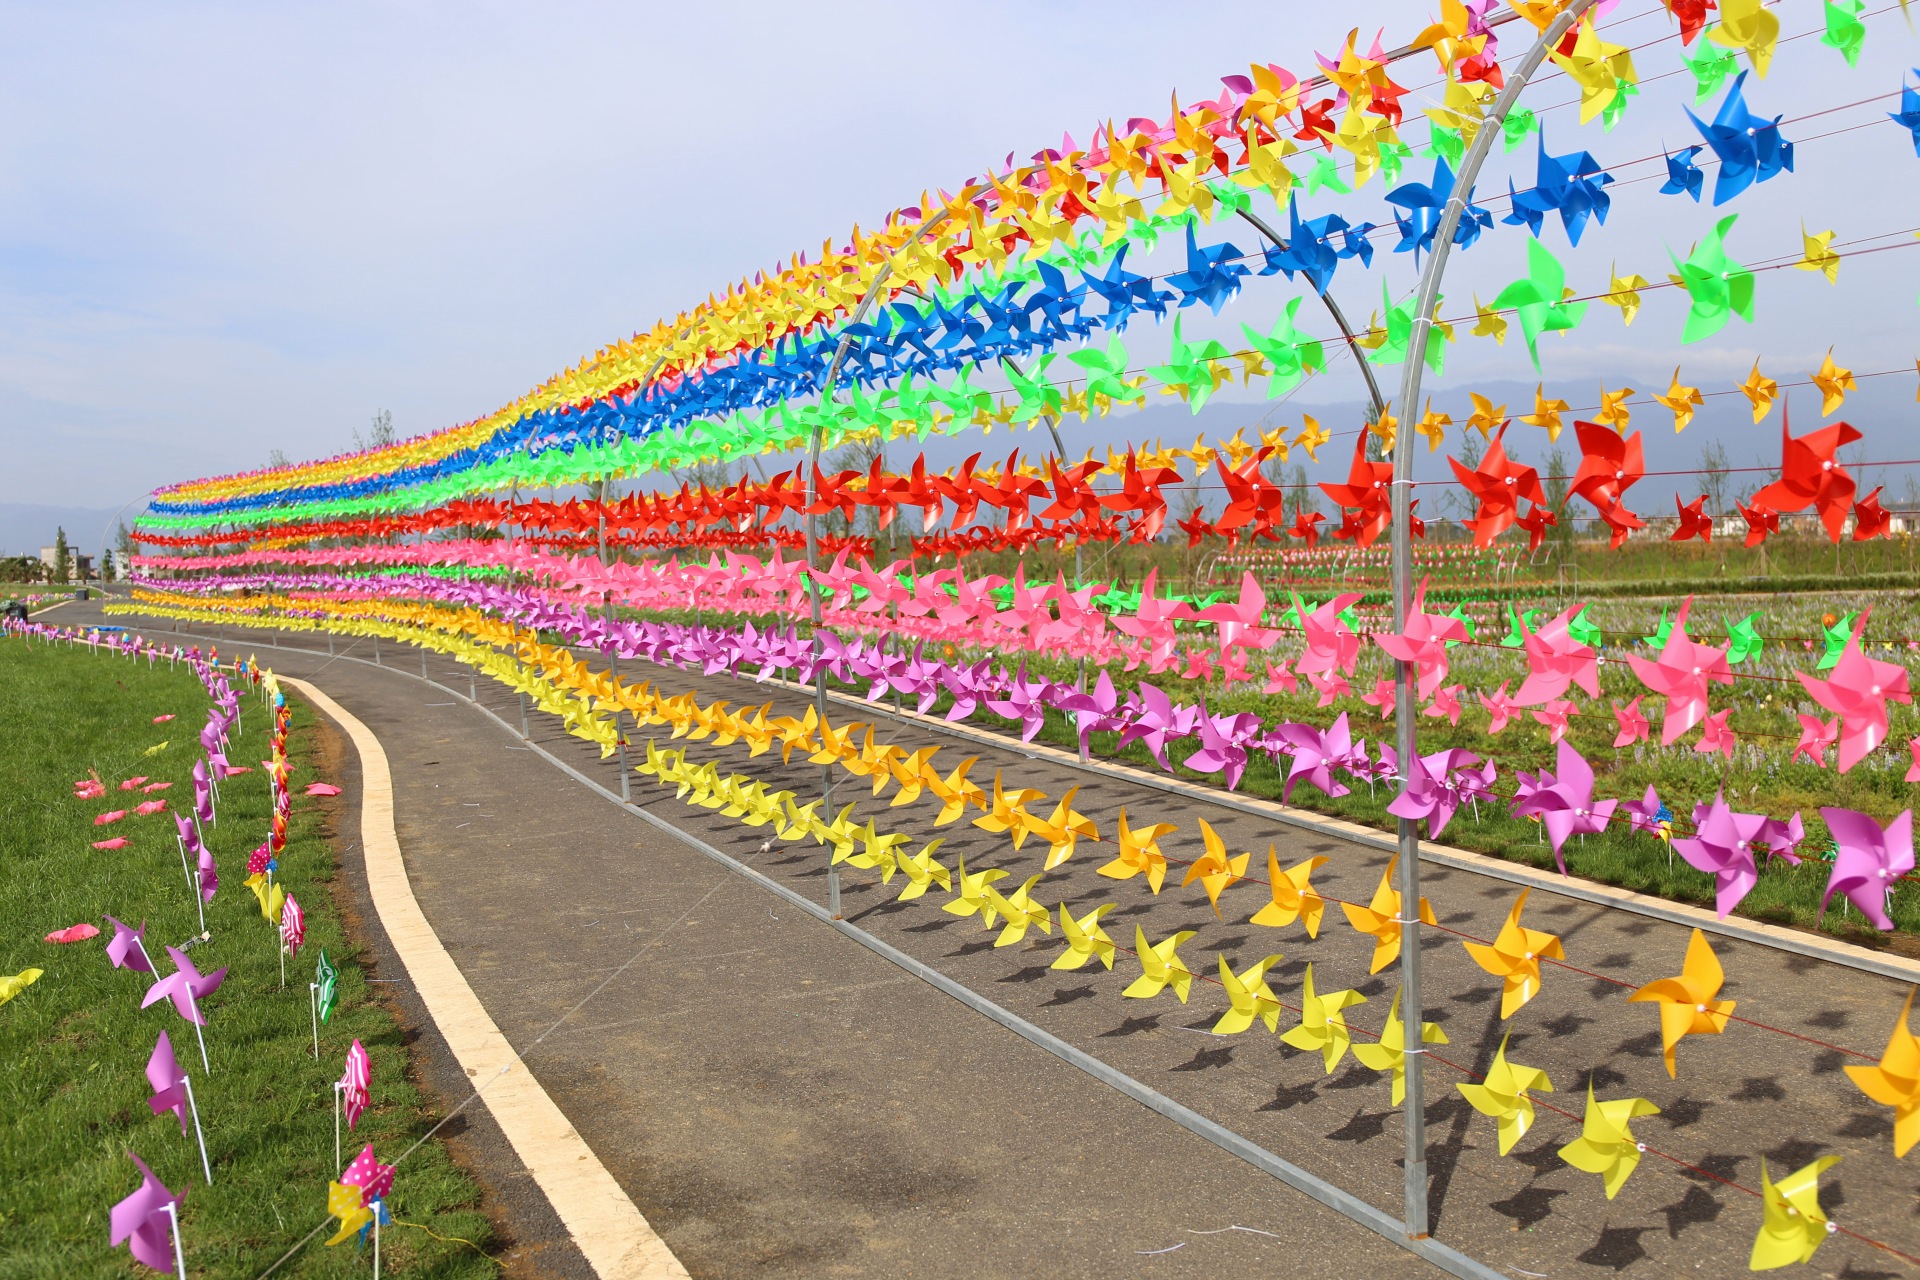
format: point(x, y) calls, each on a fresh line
point(1339, 318)
point(1405, 708)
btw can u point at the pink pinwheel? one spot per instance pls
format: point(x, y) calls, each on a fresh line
point(293, 926)
point(1555, 660)
point(1782, 839)
point(1381, 698)
point(1913, 770)
point(1722, 846)
point(133, 784)
point(1555, 716)
point(1648, 814)
point(1633, 725)
point(1423, 642)
point(1026, 701)
point(142, 1220)
point(166, 1077)
point(89, 789)
point(118, 842)
point(1868, 860)
point(1316, 754)
point(1500, 708)
point(149, 808)
point(106, 819)
point(322, 789)
point(1330, 645)
point(73, 933)
point(126, 950)
point(152, 787)
point(1280, 678)
point(1332, 688)
point(162, 719)
point(1681, 675)
point(374, 1179)
point(1446, 704)
point(1858, 691)
point(1220, 745)
point(186, 987)
point(1238, 624)
point(1199, 665)
point(354, 1082)
point(1153, 623)
point(1716, 735)
point(1563, 801)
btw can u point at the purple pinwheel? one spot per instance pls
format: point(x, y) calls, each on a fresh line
point(1222, 748)
point(125, 950)
point(165, 1075)
point(1563, 801)
point(142, 1220)
point(186, 986)
point(1427, 795)
point(209, 875)
point(1024, 701)
point(1722, 846)
point(202, 792)
point(1155, 721)
point(1097, 711)
point(1316, 754)
point(1782, 839)
point(920, 678)
point(1868, 860)
point(1645, 813)
point(969, 687)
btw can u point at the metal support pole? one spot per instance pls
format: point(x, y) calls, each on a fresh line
point(813, 535)
point(613, 655)
point(1405, 705)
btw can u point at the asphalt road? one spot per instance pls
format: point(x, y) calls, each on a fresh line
point(776, 1098)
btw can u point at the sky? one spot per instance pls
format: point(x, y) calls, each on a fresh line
point(227, 229)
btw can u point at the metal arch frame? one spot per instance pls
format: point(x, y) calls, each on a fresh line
point(1405, 705)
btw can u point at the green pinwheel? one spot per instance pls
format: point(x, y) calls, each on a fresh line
point(1836, 637)
point(1658, 639)
point(1190, 366)
point(1290, 354)
point(1399, 325)
point(1539, 298)
point(1106, 370)
point(1719, 286)
point(1743, 641)
point(1518, 626)
point(1845, 31)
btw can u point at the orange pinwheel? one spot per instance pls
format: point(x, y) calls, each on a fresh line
point(1687, 1004)
point(1894, 1082)
point(1515, 958)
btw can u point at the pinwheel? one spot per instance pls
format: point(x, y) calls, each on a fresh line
point(1332, 644)
point(923, 871)
point(1500, 708)
point(1380, 919)
point(1633, 724)
point(1749, 148)
point(1323, 1023)
point(1563, 801)
point(1539, 298)
point(1315, 754)
point(1557, 659)
point(147, 1221)
point(1160, 966)
point(1816, 736)
point(1514, 957)
point(1251, 999)
point(1503, 1095)
point(127, 948)
point(1294, 897)
point(1858, 692)
point(1684, 177)
point(1908, 116)
point(1717, 286)
point(1139, 852)
point(1868, 860)
point(970, 890)
point(1681, 674)
point(1687, 1004)
point(1389, 1053)
point(1793, 1226)
point(1894, 1081)
point(1722, 846)
point(1364, 499)
point(1086, 940)
point(1213, 868)
point(1019, 910)
point(1606, 1145)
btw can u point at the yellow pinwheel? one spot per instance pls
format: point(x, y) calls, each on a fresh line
point(1086, 939)
point(1834, 383)
point(1062, 829)
point(1792, 1225)
point(1515, 958)
point(1160, 966)
point(1019, 909)
point(1761, 391)
point(1894, 1081)
point(1687, 1004)
point(1323, 1023)
point(1747, 24)
point(972, 889)
point(1253, 1000)
point(1389, 1053)
point(343, 1202)
point(1140, 852)
point(1682, 399)
point(14, 984)
point(955, 793)
point(1606, 1144)
point(923, 871)
point(1503, 1095)
point(1214, 869)
point(1294, 897)
point(1380, 918)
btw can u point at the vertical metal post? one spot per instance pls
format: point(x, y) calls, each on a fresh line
point(1405, 706)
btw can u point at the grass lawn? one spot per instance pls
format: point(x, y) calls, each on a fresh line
point(73, 1047)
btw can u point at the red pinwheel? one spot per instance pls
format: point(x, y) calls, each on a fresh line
point(1811, 476)
point(1694, 522)
point(1364, 499)
point(1306, 527)
point(1535, 522)
point(1761, 521)
point(1499, 484)
point(1870, 519)
point(1609, 465)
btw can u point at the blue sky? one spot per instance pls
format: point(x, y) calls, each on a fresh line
point(226, 229)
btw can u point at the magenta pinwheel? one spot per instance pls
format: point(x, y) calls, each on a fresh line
point(1868, 860)
point(1722, 845)
point(1563, 801)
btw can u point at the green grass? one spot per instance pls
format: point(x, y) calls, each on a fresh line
point(73, 1047)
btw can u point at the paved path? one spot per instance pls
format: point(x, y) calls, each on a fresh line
point(773, 1096)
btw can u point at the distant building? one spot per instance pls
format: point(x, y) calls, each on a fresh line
point(79, 567)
